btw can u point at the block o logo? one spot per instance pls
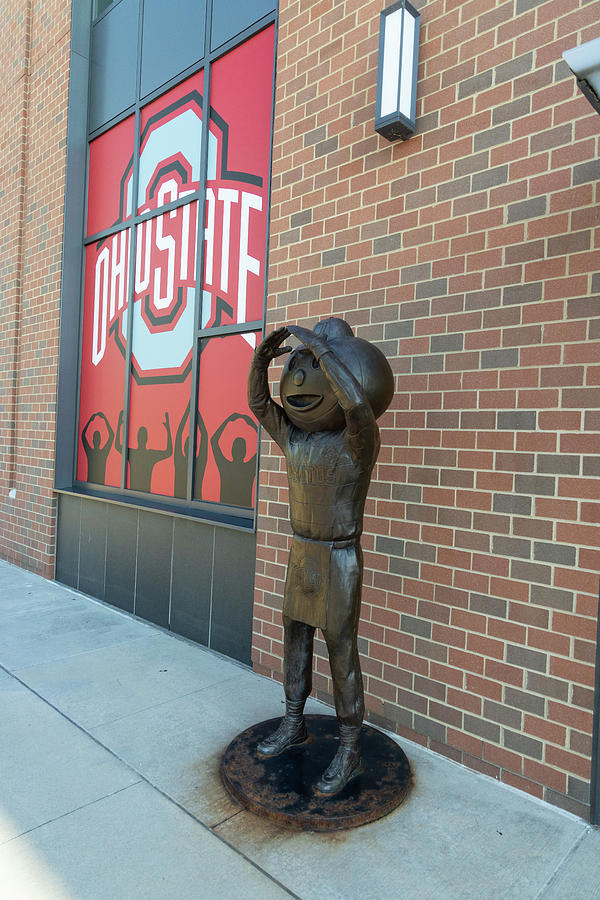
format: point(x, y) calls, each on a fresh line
point(166, 245)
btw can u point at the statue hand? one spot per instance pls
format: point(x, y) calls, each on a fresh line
point(269, 348)
point(311, 341)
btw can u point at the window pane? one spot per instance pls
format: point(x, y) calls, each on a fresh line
point(102, 361)
point(110, 177)
point(161, 350)
point(164, 303)
point(157, 445)
point(226, 458)
point(228, 19)
point(170, 145)
point(183, 22)
point(237, 183)
point(101, 6)
point(113, 63)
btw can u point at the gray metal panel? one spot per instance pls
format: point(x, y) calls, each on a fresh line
point(228, 19)
point(153, 579)
point(81, 16)
point(233, 593)
point(192, 579)
point(92, 548)
point(121, 546)
point(67, 540)
point(114, 62)
point(172, 39)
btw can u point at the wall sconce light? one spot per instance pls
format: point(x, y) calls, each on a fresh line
point(397, 71)
point(584, 63)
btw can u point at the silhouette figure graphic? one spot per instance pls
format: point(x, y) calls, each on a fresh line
point(142, 459)
point(237, 476)
point(180, 457)
point(96, 453)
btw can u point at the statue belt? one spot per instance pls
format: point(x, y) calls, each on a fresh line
point(333, 545)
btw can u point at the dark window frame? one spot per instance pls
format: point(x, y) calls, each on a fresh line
point(68, 400)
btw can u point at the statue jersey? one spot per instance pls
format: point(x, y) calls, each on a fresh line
point(328, 484)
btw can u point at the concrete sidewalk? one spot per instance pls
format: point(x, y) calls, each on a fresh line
point(111, 733)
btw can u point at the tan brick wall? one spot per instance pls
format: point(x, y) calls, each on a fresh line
point(470, 254)
point(34, 48)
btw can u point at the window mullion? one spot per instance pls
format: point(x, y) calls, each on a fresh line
point(132, 257)
point(142, 217)
point(233, 328)
point(199, 290)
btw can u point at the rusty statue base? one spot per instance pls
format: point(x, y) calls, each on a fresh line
point(282, 787)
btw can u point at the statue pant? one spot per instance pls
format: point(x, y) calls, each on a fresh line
point(343, 659)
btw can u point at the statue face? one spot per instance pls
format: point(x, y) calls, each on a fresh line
point(306, 395)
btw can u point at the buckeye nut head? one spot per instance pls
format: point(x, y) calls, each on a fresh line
point(307, 396)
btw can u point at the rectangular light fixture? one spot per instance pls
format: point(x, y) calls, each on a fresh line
point(584, 62)
point(397, 71)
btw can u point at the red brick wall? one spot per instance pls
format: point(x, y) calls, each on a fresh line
point(34, 48)
point(470, 255)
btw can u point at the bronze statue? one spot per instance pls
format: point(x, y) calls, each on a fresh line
point(332, 389)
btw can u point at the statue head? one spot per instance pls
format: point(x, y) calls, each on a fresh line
point(96, 440)
point(142, 437)
point(307, 396)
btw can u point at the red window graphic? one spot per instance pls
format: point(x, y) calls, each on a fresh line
point(110, 176)
point(226, 427)
point(102, 372)
point(159, 325)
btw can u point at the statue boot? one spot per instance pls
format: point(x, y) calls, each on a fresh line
point(345, 765)
point(291, 731)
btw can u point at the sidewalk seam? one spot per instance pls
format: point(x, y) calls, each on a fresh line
point(154, 787)
point(554, 877)
point(156, 705)
point(226, 819)
point(69, 813)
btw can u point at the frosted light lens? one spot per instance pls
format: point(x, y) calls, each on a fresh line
point(391, 63)
point(408, 52)
point(584, 60)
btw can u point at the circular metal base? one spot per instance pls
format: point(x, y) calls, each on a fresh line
point(281, 788)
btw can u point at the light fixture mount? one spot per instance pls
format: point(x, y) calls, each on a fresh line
point(584, 62)
point(395, 110)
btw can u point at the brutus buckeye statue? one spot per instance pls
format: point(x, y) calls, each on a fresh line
point(332, 389)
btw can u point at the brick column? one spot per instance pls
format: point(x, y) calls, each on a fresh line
point(34, 86)
point(470, 255)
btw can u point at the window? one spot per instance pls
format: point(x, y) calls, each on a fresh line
point(173, 286)
point(101, 6)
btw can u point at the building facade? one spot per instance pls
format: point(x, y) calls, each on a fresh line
point(144, 254)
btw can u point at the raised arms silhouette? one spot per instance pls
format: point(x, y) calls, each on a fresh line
point(237, 475)
point(96, 452)
point(180, 457)
point(142, 458)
